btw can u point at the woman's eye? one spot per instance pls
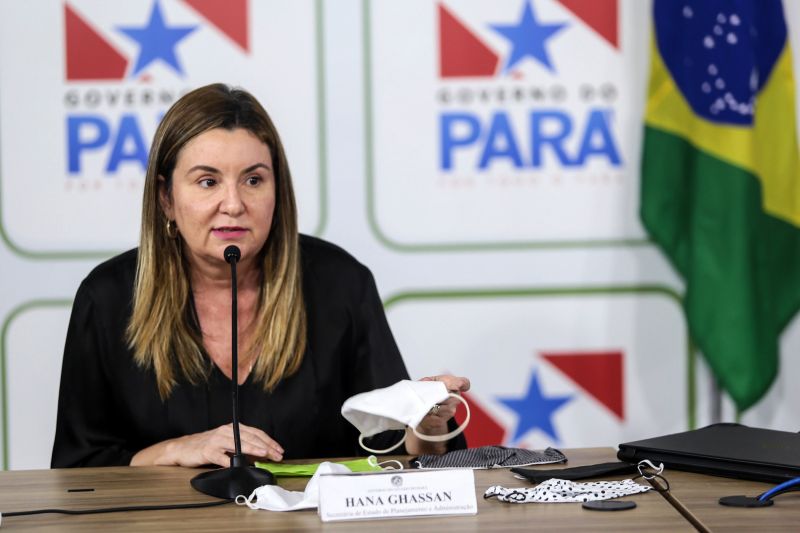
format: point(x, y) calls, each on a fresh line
point(207, 183)
point(254, 180)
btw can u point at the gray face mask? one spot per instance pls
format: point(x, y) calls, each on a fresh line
point(489, 457)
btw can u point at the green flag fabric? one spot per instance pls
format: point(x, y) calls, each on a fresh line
point(721, 180)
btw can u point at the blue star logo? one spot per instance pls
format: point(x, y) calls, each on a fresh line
point(535, 410)
point(157, 41)
point(527, 38)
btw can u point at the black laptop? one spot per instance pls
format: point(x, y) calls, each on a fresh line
point(730, 450)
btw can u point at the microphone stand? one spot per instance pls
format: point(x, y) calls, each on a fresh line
point(239, 478)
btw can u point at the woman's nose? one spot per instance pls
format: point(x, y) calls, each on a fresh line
point(232, 201)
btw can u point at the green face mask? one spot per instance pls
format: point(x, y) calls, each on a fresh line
point(368, 464)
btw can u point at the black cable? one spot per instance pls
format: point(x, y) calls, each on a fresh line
point(118, 509)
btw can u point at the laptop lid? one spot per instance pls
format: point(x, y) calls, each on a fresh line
point(730, 450)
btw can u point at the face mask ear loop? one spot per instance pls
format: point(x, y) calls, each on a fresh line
point(373, 462)
point(447, 436)
point(391, 461)
point(246, 500)
point(387, 450)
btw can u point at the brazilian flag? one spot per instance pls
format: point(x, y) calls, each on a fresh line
point(721, 181)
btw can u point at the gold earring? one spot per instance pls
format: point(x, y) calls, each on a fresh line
point(172, 229)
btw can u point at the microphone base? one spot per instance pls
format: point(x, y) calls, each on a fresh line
point(227, 483)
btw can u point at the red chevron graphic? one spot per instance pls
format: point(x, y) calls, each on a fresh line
point(461, 52)
point(88, 55)
point(229, 16)
point(600, 374)
point(600, 15)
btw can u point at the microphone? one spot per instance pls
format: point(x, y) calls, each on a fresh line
point(232, 255)
point(239, 478)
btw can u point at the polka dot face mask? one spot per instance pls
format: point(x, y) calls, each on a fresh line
point(563, 491)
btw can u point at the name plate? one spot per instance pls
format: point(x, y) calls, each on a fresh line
point(397, 494)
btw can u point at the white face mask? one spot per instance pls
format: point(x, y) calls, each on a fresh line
point(275, 498)
point(401, 405)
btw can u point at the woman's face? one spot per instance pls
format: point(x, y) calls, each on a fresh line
point(223, 193)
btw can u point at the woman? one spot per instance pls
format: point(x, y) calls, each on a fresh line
point(146, 372)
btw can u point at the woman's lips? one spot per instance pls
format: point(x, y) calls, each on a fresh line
point(227, 233)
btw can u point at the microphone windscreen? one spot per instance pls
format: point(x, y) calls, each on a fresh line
point(232, 254)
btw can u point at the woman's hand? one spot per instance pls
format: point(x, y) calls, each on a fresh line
point(435, 422)
point(209, 447)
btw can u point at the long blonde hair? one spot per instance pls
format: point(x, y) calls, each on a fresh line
point(161, 331)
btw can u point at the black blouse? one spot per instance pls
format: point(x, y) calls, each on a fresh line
point(109, 407)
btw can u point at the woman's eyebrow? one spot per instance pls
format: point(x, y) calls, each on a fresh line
point(204, 168)
point(212, 170)
point(253, 167)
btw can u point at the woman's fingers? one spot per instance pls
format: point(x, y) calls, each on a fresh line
point(216, 445)
point(446, 409)
point(455, 384)
point(216, 457)
point(200, 449)
point(259, 443)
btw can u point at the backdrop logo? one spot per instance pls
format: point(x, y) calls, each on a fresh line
point(91, 56)
point(512, 95)
point(596, 376)
point(123, 71)
point(462, 53)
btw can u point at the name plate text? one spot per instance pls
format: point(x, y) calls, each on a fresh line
point(397, 494)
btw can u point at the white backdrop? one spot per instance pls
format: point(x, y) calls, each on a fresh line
point(516, 273)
